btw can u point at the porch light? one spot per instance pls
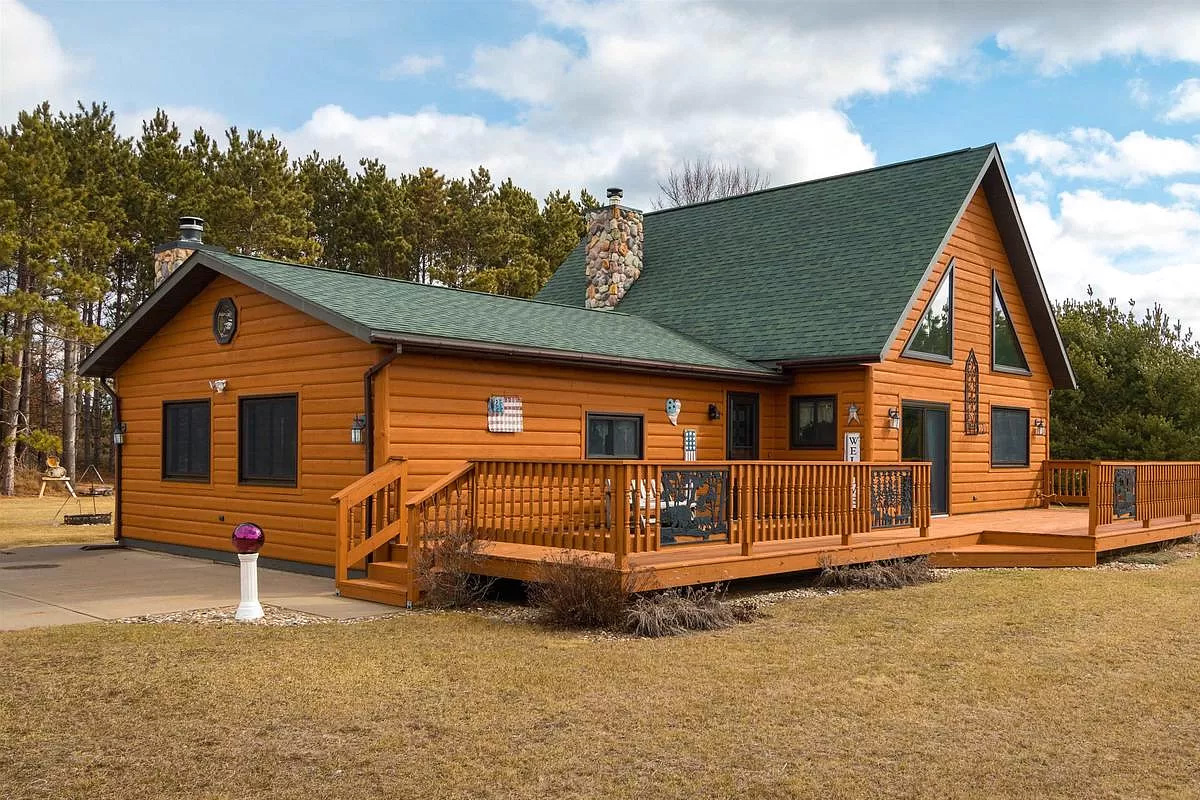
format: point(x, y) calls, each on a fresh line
point(356, 429)
point(1039, 427)
point(894, 418)
point(119, 434)
point(714, 413)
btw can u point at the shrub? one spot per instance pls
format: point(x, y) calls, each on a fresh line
point(675, 611)
point(571, 591)
point(892, 574)
point(443, 568)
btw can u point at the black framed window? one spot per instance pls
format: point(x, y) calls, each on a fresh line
point(614, 436)
point(1010, 437)
point(812, 422)
point(933, 338)
point(186, 440)
point(267, 440)
point(1006, 348)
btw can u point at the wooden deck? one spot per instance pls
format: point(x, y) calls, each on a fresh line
point(679, 524)
point(1036, 537)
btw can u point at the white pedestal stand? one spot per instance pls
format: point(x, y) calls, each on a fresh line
point(249, 608)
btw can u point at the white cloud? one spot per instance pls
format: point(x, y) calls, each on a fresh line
point(413, 65)
point(1144, 252)
point(1185, 102)
point(1186, 193)
point(1139, 92)
point(1096, 154)
point(33, 65)
point(1033, 184)
point(187, 118)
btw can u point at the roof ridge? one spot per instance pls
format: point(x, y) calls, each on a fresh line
point(878, 168)
point(405, 281)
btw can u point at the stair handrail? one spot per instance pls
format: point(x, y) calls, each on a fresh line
point(345, 554)
point(433, 489)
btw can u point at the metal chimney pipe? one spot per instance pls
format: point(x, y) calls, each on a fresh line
point(191, 229)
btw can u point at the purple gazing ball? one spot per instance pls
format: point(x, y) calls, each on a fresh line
point(248, 538)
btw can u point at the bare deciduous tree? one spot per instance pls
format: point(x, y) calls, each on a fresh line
point(705, 179)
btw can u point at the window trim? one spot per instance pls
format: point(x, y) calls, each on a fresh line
point(992, 438)
point(294, 481)
point(998, 295)
point(206, 478)
point(814, 398)
point(587, 426)
point(908, 352)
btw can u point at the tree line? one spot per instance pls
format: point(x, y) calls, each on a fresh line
point(82, 207)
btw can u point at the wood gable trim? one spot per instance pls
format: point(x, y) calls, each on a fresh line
point(993, 180)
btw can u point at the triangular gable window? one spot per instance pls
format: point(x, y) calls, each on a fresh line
point(1006, 348)
point(934, 334)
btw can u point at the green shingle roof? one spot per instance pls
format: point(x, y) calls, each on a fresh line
point(815, 270)
point(389, 306)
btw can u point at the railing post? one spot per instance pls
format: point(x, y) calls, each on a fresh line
point(1046, 486)
point(341, 570)
point(748, 508)
point(1093, 490)
point(619, 514)
point(924, 492)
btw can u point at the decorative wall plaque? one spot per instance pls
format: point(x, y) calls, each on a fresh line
point(505, 414)
point(224, 320)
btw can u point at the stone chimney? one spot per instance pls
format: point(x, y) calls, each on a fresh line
point(614, 252)
point(168, 257)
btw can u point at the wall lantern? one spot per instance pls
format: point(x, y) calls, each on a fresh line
point(714, 413)
point(119, 434)
point(218, 385)
point(356, 429)
point(1039, 427)
point(894, 418)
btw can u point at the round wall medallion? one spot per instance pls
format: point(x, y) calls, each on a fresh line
point(224, 321)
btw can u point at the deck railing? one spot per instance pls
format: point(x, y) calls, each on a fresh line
point(1116, 491)
point(1065, 482)
point(370, 514)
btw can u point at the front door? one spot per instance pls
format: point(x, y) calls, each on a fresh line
point(925, 436)
point(741, 411)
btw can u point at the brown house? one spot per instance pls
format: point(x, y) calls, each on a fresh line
point(838, 357)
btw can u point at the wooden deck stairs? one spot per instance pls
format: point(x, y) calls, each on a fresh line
point(997, 549)
point(385, 582)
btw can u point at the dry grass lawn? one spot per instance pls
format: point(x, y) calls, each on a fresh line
point(1016, 684)
point(31, 521)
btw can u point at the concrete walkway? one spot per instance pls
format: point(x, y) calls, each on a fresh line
point(64, 584)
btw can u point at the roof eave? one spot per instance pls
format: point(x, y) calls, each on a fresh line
point(436, 344)
point(190, 278)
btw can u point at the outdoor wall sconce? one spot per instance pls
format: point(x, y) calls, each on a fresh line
point(356, 429)
point(1039, 427)
point(217, 385)
point(714, 413)
point(894, 418)
point(119, 434)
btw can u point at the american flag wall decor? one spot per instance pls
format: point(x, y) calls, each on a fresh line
point(505, 414)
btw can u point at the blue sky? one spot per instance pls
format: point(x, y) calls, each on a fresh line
point(1096, 105)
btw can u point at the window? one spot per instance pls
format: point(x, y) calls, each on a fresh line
point(185, 441)
point(614, 436)
point(934, 334)
point(1010, 437)
point(267, 433)
point(1006, 349)
point(813, 422)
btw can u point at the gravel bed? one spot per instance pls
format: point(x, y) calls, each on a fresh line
point(273, 617)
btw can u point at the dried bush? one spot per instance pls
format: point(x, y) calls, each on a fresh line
point(676, 611)
point(892, 574)
point(1151, 557)
point(444, 570)
point(571, 591)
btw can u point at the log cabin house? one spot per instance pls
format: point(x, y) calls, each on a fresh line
point(850, 368)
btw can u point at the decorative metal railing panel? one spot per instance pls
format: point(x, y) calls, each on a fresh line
point(891, 498)
point(1125, 492)
point(971, 424)
point(693, 504)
